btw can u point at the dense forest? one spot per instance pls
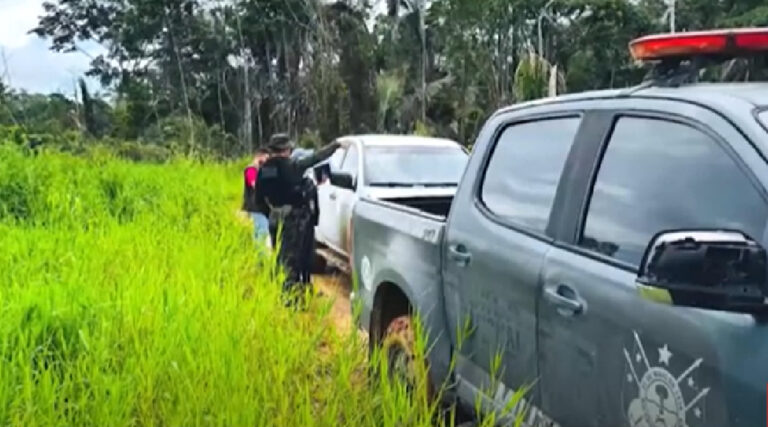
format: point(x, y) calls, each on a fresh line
point(220, 76)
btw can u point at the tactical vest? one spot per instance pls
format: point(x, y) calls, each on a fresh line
point(280, 183)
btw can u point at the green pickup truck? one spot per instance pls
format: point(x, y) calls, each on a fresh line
point(608, 246)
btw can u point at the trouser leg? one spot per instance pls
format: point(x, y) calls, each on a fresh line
point(309, 254)
point(291, 251)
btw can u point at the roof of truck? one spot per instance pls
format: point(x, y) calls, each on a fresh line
point(754, 94)
point(397, 140)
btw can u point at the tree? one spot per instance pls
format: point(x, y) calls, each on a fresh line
point(208, 69)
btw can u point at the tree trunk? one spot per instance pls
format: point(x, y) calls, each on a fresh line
point(247, 125)
point(183, 80)
point(422, 33)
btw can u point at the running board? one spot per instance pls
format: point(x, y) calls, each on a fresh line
point(334, 260)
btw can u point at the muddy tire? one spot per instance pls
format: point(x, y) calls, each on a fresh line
point(398, 346)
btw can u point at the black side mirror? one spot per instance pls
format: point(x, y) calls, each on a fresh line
point(719, 270)
point(342, 180)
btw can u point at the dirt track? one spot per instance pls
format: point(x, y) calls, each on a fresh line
point(337, 287)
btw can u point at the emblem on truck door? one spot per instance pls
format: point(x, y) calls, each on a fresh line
point(661, 398)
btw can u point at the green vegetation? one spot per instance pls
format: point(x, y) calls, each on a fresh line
point(218, 77)
point(132, 296)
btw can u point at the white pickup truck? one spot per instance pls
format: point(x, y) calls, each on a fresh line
point(417, 171)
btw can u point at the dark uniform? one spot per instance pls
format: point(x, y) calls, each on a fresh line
point(283, 188)
point(310, 194)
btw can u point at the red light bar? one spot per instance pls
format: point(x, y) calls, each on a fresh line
point(717, 42)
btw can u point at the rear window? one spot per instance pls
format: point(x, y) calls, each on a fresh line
point(408, 166)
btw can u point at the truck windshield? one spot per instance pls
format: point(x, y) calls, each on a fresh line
point(408, 166)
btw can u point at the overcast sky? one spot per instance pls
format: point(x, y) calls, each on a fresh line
point(28, 63)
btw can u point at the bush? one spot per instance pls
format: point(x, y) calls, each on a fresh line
point(143, 152)
point(178, 136)
point(310, 139)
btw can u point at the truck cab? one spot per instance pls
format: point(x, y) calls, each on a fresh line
point(605, 248)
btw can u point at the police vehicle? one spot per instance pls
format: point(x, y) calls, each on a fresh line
point(605, 251)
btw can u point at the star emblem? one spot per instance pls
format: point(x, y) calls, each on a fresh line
point(665, 355)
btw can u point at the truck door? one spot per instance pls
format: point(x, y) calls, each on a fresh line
point(495, 249)
point(345, 198)
point(613, 358)
point(327, 196)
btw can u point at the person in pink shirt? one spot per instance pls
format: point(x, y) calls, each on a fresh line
point(257, 212)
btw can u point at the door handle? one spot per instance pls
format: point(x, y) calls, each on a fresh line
point(459, 255)
point(333, 196)
point(565, 299)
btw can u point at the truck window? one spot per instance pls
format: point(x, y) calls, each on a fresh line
point(414, 165)
point(522, 176)
point(351, 164)
point(659, 175)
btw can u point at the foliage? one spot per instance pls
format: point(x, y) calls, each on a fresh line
point(250, 68)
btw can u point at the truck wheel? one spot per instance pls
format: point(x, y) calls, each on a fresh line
point(398, 346)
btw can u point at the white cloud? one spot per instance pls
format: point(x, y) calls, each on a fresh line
point(29, 64)
point(17, 17)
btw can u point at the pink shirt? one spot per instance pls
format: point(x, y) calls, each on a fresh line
point(251, 173)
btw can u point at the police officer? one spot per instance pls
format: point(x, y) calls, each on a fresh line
point(281, 185)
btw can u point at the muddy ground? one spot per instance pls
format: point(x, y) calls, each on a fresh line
point(337, 286)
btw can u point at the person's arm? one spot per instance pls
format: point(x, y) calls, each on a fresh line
point(318, 156)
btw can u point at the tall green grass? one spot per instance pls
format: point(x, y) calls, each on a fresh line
point(130, 296)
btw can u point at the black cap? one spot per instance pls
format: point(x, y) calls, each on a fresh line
point(280, 142)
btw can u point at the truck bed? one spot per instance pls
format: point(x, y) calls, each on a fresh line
point(436, 206)
point(398, 244)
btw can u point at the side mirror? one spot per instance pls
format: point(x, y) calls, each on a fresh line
point(718, 270)
point(342, 180)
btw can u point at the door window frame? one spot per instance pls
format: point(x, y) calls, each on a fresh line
point(358, 151)
point(572, 241)
point(486, 212)
point(343, 151)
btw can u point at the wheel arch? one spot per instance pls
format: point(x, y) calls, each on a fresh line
point(389, 302)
